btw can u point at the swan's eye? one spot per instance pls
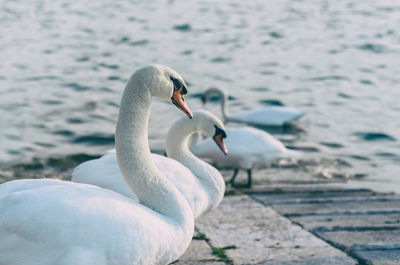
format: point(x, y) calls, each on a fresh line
point(219, 131)
point(178, 85)
point(219, 139)
point(184, 90)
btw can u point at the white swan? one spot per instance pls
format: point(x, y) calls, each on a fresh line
point(200, 183)
point(47, 222)
point(249, 148)
point(268, 116)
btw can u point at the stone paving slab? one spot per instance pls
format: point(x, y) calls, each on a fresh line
point(364, 224)
point(386, 257)
point(307, 190)
point(356, 221)
point(261, 236)
point(283, 194)
point(333, 206)
point(345, 198)
point(363, 239)
point(199, 252)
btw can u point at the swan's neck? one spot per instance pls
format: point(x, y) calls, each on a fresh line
point(134, 159)
point(224, 107)
point(178, 149)
point(177, 141)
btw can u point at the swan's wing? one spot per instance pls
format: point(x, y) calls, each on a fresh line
point(270, 116)
point(184, 180)
point(105, 165)
point(247, 147)
point(211, 185)
point(47, 221)
point(103, 172)
point(261, 142)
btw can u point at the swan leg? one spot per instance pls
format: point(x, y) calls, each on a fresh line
point(232, 181)
point(249, 182)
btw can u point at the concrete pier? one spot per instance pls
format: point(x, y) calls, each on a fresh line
point(295, 223)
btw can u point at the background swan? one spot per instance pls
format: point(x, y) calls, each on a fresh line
point(268, 116)
point(248, 147)
point(47, 222)
point(201, 184)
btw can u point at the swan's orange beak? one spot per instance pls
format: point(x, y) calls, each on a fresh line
point(179, 101)
point(219, 139)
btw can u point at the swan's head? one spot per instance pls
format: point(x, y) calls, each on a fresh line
point(165, 83)
point(212, 92)
point(211, 126)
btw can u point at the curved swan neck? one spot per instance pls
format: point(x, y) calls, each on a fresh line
point(134, 157)
point(224, 106)
point(178, 139)
point(178, 149)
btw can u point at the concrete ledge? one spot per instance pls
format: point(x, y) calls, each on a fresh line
point(199, 252)
point(360, 222)
point(262, 236)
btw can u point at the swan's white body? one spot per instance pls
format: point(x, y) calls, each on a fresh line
point(249, 148)
point(104, 172)
point(47, 222)
point(200, 183)
point(268, 116)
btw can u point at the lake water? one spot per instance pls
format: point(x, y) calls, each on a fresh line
point(64, 65)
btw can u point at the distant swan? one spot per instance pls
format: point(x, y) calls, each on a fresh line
point(47, 222)
point(200, 183)
point(267, 116)
point(248, 148)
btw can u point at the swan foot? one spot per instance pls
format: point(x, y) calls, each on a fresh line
point(232, 181)
point(249, 180)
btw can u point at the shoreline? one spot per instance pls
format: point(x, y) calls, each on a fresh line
point(283, 171)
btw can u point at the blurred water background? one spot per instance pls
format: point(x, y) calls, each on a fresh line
point(64, 65)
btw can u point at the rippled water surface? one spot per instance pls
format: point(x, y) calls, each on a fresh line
point(64, 65)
